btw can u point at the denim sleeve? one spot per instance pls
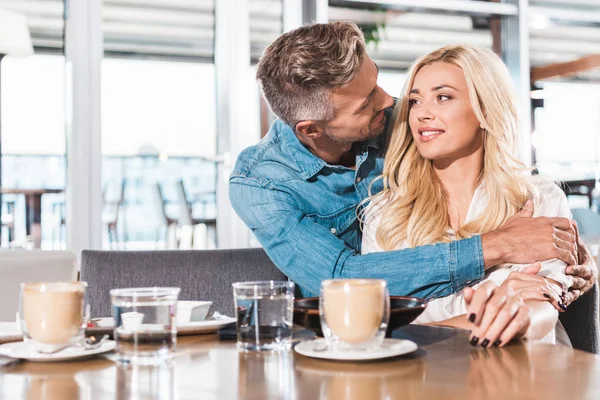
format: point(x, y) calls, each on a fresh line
point(308, 253)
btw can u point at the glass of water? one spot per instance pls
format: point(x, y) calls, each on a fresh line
point(264, 315)
point(145, 324)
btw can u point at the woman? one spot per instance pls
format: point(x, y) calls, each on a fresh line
point(451, 173)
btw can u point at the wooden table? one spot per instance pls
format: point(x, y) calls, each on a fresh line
point(33, 210)
point(445, 367)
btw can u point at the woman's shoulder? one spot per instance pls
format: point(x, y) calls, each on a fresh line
point(551, 201)
point(547, 188)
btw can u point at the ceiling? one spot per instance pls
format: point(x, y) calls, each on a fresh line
point(184, 29)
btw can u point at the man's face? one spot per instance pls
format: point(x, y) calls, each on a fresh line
point(359, 107)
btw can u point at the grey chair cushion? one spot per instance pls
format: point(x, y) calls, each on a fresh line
point(201, 275)
point(581, 322)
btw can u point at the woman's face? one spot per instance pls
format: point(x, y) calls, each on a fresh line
point(441, 118)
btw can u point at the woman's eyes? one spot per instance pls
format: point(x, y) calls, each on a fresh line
point(442, 98)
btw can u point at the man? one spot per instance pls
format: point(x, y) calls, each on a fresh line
point(298, 189)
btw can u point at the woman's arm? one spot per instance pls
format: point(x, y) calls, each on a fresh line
point(543, 320)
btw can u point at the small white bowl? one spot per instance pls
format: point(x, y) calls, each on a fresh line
point(192, 311)
point(132, 321)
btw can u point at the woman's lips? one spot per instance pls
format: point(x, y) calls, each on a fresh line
point(427, 135)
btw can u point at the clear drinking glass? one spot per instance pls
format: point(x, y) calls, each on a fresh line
point(354, 313)
point(145, 324)
point(53, 315)
point(264, 315)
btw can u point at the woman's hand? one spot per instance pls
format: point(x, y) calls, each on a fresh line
point(499, 313)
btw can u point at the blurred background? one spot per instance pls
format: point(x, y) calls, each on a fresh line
point(120, 128)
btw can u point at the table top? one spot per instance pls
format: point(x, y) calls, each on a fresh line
point(445, 366)
point(28, 191)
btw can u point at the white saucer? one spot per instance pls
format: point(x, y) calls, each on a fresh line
point(10, 332)
point(189, 328)
point(389, 348)
point(210, 326)
point(23, 351)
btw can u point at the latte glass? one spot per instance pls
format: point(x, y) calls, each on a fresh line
point(354, 313)
point(53, 315)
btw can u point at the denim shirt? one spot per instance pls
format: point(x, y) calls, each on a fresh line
point(303, 212)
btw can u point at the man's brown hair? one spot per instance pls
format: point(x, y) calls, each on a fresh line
point(299, 70)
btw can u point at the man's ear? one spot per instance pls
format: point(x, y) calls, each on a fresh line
point(309, 129)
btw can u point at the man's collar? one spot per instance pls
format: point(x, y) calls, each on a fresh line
point(308, 164)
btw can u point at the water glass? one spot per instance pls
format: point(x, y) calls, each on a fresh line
point(264, 315)
point(145, 324)
point(53, 315)
point(354, 313)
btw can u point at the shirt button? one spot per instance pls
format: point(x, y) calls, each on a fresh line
point(333, 230)
point(358, 179)
point(468, 282)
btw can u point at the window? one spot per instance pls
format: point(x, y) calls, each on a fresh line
point(33, 132)
point(158, 125)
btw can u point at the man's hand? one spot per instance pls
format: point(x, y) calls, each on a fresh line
point(525, 240)
point(585, 275)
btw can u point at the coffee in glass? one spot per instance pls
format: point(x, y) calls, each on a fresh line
point(354, 313)
point(53, 315)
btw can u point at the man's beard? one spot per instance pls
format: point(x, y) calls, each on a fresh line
point(373, 132)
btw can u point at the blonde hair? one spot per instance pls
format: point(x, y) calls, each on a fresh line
point(414, 203)
point(298, 71)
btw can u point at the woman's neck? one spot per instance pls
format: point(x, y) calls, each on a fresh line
point(460, 179)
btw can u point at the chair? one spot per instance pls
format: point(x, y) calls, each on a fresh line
point(201, 274)
point(18, 266)
point(581, 322)
point(110, 213)
point(7, 220)
point(58, 223)
point(583, 187)
point(165, 222)
point(186, 218)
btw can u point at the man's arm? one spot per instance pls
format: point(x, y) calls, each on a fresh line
point(524, 240)
point(585, 275)
point(308, 253)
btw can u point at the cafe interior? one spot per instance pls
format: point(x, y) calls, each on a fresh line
point(125, 271)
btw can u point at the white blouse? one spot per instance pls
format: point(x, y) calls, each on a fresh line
point(553, 204)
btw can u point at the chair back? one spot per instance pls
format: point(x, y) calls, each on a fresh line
point(158, 202)
point(17, 266)
point(581, 322)
point(201, 274)
point(185, 213)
